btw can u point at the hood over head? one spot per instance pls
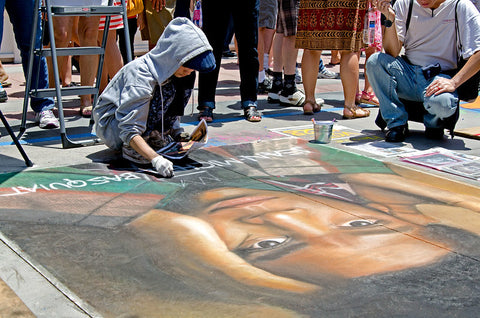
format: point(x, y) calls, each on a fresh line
point(180, 42)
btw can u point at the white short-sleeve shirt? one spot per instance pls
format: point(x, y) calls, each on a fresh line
point(430, 37)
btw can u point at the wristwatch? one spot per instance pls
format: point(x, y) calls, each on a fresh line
point(388, 23)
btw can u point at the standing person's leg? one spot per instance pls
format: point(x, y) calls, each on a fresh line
point(310, 61)
point(334, 57)
point(349, 76)
point(277, 85)
point(132, 29)
point(228, 39)
point(87, 35)
point(113, 59)
point(3, 93)
point(63, 34)
point(21, 15)
point(2, 10)
point(182, 9)
point(215, 21)
point(266, 25)
point(287, 26)
point(367, 96)
point(246, 31)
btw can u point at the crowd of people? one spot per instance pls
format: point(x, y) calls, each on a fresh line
point(415, 66)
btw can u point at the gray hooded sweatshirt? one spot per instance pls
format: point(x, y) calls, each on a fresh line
point(122, 110)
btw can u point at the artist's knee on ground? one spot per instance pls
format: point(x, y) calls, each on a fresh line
point(442, 105)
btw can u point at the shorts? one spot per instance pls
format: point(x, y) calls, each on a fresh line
point(267, 16)
point(116, 21)
point(287, 17)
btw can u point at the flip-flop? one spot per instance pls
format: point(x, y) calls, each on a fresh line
point(86, 111)
point(252, 114)
point(206, 114)
point(315, 108)
point(6, 84)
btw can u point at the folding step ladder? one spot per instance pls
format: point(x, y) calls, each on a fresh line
point(59, 91)
point(15, 140)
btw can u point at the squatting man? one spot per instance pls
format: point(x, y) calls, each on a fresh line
point(430, 43)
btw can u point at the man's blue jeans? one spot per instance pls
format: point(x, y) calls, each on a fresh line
point(216, 15)
point(21, 15)
point(393, 78)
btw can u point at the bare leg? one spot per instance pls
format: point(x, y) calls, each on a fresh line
point(290, 54)
point(335, 57)
point(113, 59)
point(260, 47)
point(278, 52)
point(349, 76)
point(87, 35)
point(368, 96)
point(310, 62)
point(63, 33)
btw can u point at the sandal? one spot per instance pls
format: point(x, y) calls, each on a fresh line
point(252, 114)
point(355, 112)
point(369, 98)
point(6, 84)
point(314, 107)
point(86, 111)
point(358, 98)
point(206, 114)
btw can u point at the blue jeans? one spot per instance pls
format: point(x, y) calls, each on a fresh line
point(216, 15)
point(393, 78)
point(21, 15)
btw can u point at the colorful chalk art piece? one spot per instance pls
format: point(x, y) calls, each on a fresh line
point(282, 228)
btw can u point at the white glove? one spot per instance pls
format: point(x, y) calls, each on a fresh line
point(163, 166)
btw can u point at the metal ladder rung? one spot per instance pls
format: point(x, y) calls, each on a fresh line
point(87, 10)
point(66, 91)
point(59, 91)
point(85, 50)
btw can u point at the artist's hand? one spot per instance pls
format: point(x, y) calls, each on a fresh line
point(440, 85)
point(163, 166)
point(158, 5)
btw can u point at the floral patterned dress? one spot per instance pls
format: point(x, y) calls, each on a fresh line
point(331, 24)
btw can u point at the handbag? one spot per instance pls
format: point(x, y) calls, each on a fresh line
point(469, 89)
point(134, 7)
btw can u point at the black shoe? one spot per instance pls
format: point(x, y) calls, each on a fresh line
point(434, 133)
point(265, 86)
point(397, 134)
point(228, 54)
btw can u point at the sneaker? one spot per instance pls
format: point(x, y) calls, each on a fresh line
point(46, 119)
point(3, 94)
point(298, 76)
point(324, 73)
point(130, 154)
point(265, 86)
point(295, 99)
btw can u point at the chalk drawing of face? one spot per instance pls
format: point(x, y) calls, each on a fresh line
point(305, 238)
